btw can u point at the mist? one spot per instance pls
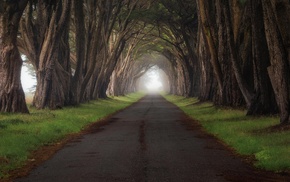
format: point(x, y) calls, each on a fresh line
point(154, 81)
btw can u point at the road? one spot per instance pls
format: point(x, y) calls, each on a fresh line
point(150, 141)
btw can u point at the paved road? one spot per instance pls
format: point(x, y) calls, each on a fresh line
point(149, 141)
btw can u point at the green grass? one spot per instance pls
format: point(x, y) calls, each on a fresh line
point(22, 133)
point(247, 135)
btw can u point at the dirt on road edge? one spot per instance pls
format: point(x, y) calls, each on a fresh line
point(44, 153)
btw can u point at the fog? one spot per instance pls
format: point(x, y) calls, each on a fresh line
point(153, 81)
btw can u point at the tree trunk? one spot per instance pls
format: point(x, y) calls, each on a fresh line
point(44, 39)
point(103, 79)
point(208, 29)
point(12, 98)
point(77, 79)
point(207, 83)
point(53, 69)
point(277, 36)
point(243, 85)
point(263, 101)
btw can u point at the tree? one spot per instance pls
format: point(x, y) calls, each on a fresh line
point(80, 37)
point(207, 82)
point(263, 101)
point(44, 40)
point(175, 25)
point(124, 30)
point(206, 12)
point(12, 97)
point(276, 20)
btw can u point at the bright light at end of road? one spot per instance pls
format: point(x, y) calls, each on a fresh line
point(154, 83)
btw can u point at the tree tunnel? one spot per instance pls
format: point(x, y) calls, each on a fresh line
point(233, 53)
point(149, 73)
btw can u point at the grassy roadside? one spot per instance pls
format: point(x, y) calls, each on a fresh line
point(247, 135)
point(23, 133)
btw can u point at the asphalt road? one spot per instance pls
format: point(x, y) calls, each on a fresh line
point(150, 141)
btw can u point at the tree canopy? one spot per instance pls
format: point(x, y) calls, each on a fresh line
point(234, 53)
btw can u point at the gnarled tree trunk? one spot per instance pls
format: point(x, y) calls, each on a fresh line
point(12, 97)
point(45, 41)
point(263, 101)
point(276, 19)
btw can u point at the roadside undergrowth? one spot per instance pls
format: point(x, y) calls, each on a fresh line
point(22, 134)
point(245, 134)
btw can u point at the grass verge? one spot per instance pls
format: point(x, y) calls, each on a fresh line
point(246, 135)
point(22, 133)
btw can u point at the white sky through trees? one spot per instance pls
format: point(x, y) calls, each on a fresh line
point(153, 81)
point(27, 80)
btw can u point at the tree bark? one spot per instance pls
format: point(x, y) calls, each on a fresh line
point(12, 98)
point(208, 29)
point(53, 68)
point(207, 84)
point(244, 87)
point(275, 12)
point(77, 78)
point(44, 40)
point(263, 102)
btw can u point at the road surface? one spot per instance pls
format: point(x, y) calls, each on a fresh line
point(150, 141)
